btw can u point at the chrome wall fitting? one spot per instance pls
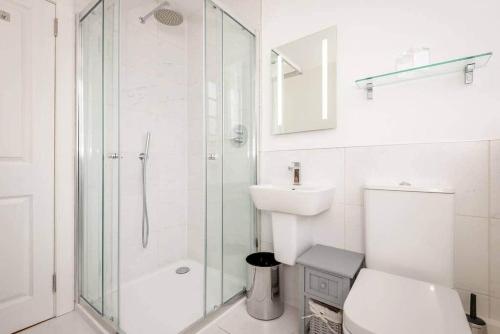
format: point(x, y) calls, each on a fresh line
point(369, 91)
point(469, 73)
point(241, 135)
point(4, 16)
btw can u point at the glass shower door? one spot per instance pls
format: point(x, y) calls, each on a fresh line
point(214, 150)
point(239, 147)
point(231, 154)
point(98, 162)
point(90, 167)
point(111, 160)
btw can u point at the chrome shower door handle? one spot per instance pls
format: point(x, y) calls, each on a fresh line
point(114, 156)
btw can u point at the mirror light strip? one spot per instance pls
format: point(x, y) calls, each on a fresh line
point(279, 89)
point(324, 78)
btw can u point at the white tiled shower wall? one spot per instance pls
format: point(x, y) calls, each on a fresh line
point(195, 143)
point(471, 168)
point(161, 91)
point(153, 98)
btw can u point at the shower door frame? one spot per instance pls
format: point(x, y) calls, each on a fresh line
point(214, 314)
point(80, 302)
point(255, 132)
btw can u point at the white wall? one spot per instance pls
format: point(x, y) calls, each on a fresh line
point(454, 122)
point(371, 35)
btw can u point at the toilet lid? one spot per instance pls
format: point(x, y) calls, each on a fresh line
point(381, 303)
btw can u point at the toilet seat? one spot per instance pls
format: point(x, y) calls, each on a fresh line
point(382, 303)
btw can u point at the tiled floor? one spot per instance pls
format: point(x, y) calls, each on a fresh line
point(237, 321)
point(234, 321)
point(70, 323)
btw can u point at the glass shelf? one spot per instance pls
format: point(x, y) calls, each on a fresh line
point(444, 67)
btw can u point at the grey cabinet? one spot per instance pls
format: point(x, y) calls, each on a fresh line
point(326, 275)
point(328, 287)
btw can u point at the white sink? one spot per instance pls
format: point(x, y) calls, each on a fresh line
point(291, 207)
point(296, 200)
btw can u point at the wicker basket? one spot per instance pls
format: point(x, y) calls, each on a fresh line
point(324, 320)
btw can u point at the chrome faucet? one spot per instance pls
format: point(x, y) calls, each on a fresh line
point(295, 169)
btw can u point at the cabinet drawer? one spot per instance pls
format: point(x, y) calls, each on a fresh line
point(325, 286)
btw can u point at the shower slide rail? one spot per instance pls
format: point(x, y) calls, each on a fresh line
point(144, 156)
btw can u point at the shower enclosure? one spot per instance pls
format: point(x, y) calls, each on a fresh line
point(166, 152)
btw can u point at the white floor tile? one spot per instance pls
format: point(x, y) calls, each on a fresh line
point(213, 330)
point(71, 322)
point(238, 321)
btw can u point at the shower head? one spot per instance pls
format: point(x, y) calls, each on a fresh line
point(168, 17)
point(163, 15)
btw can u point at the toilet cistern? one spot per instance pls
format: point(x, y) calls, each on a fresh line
point(295, 169)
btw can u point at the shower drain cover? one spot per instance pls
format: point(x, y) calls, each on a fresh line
point(182, 270)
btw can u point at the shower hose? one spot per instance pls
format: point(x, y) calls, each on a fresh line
point(145, 219)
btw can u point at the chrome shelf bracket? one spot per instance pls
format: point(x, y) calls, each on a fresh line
point(369, 91)
point(469, 73)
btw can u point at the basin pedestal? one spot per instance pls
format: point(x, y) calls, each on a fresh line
point(291, 236)
point(291, 207)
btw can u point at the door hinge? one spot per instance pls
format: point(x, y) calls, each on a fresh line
point(56, 27)
point(54, 283)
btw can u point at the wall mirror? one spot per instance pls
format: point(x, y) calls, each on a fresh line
point(304, 80)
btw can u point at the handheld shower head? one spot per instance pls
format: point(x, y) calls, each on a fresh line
point(163, 15)
point(145, 155)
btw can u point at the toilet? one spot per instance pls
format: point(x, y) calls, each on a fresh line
point(406, 287)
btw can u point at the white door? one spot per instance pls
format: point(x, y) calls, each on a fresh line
point(27, 47)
